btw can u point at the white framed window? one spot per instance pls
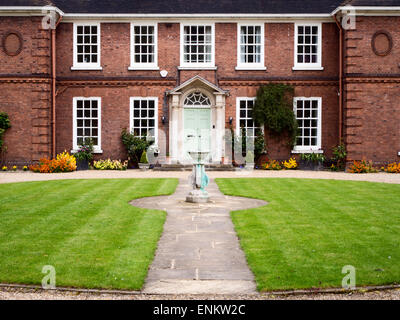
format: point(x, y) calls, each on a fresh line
point(87, 122)
point(308, 46)
point(144, 116)
point(86, 46)
point(250, 47)
point(197, 46)
point(144, 46)
point(244, 118)
point(309, 118)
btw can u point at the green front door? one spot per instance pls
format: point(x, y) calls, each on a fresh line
point(197, 129)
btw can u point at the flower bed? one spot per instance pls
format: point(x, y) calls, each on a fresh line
point(392, 168)
point(290, 164)
point(362, 166)
point(63, 163)
point(110, 165)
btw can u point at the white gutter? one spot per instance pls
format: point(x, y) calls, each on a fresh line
point(195, 15)
point(21, 9)
point(377, 9)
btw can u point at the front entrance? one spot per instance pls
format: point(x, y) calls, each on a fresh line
point(197, 129)
point(196, 121)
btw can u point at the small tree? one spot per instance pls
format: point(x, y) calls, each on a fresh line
point(273, 108)
point(134, 145)
point(4, 125)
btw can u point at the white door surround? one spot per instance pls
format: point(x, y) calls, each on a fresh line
point(216, 102)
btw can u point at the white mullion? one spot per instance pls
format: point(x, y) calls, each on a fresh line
point(144, 65)
point(86, 65)
point(246, 65)
point(310, 147)
point(308, 65)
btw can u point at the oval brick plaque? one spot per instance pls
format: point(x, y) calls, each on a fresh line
point(382, 43)
point(12, 43)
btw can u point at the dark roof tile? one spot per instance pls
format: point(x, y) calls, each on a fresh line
point(199, 6)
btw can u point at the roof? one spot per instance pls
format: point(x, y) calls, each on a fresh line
point(374, 3)
point(198, 7)
point(185, 6)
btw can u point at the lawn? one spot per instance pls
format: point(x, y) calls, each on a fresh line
point(86, 229)
point(311, 229)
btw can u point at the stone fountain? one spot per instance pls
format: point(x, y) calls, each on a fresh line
point(198, 179)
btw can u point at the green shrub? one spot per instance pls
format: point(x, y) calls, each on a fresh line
point(273, 108)
point(143, 158)
point(4, 125)
point(134, 145)
point(313, 157)
point(85, 151)
point(339, 157)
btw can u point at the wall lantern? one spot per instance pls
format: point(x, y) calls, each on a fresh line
point(230, 120)
point(163, 119)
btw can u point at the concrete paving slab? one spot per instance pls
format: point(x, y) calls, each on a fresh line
point(199, 251)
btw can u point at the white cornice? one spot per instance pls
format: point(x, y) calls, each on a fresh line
point(370, 11)
point(28, 11)
point(41, 10)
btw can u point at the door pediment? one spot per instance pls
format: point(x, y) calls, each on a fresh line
point(198, 82)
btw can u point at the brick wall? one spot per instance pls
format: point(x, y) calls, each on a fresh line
point(372, 119)
point(25, 91)
point(115, 108)
point(278, 148)
point(115, 60)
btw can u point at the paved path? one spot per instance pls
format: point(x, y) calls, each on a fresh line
point(199, 252)
point(8, 177)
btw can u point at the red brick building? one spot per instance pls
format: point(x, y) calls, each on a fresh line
point(75, 69)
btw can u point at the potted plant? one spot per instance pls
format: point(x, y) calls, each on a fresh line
point(312, 161)
point(84, 155)
point(134, 146)
point(144, 162)
point(339, 158)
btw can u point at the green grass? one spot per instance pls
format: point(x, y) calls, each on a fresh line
point(86, 229)
point(312, 228)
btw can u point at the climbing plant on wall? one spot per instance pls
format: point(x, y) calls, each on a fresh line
point(273, 108)
point(4, 125)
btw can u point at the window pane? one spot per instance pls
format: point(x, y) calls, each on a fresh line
point(307, 114)
point(144, 117)
point(197, 41)
point(87, 120)
point(307, 44)
point(144, 43)
point(245, 117)
point(250, 48)
point(87, 42)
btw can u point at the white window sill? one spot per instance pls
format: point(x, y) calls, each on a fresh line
point(96, 151)
point(250, 68)
point(86, 68)
point(308, 68)
point(149, 68)
point(196, 68)
point(307, 151)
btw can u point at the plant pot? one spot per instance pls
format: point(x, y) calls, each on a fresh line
point(249, 166)
point(82, 165)
point(144, 166)
point(311, 166)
